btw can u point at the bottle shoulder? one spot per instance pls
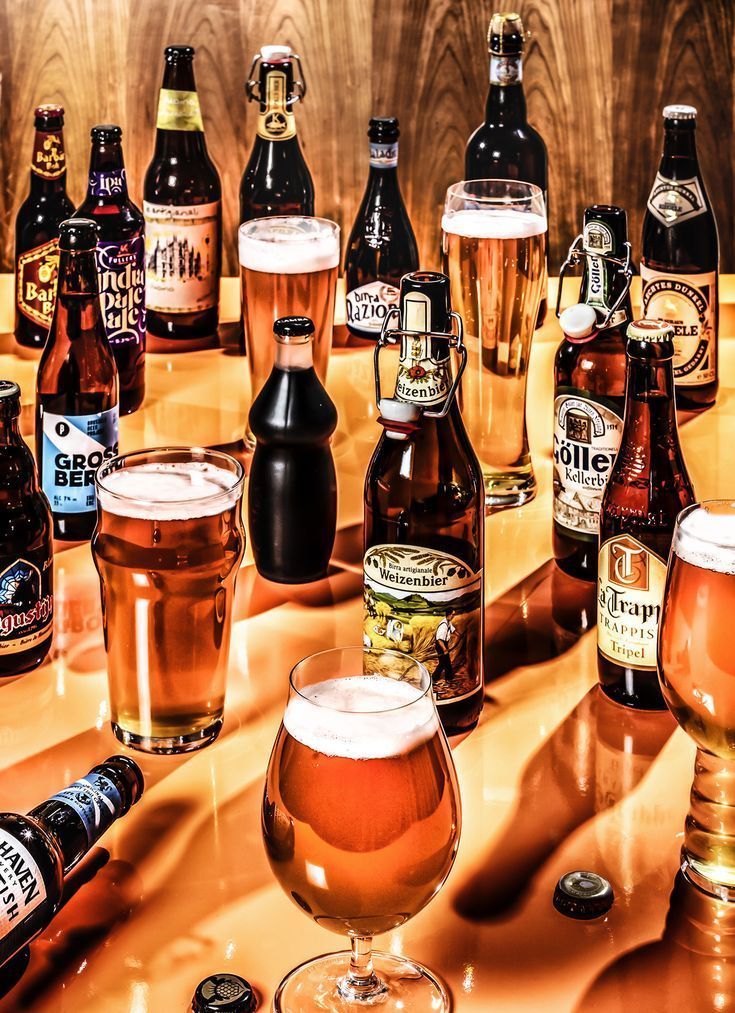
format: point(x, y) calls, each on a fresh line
point(293, 409)
point(181, 181)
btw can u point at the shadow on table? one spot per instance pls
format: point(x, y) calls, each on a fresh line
point(590, 763)
point(691, 968)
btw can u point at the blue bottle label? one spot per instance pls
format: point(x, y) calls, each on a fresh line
point(96, 800)
point(108, 183)
point(121, 270)
point(74, 446)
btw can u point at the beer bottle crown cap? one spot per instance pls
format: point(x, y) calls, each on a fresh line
point(275, 54)
point(224, 993)
point(680, 112)
point(383, 129)
point(505, 36)
point(650, 330)
point(173, 53)
point(105, 132)
point(49, 112)
point(9, 399)
point(583, 895)
point(78, 234)
point(131, 773)
point(288, 328)
point(578, 321)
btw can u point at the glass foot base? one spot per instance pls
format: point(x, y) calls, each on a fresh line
point(315, 986)
point(170, 743)
point(504, 490)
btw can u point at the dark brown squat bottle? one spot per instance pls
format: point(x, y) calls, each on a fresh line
point(648, 487)
point(26, 548)
point(425, 512)
point(37, 230)
point(182, 205)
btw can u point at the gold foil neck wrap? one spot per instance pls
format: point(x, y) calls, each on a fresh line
point(505, 34)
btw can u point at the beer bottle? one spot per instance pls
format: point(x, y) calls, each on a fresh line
point(26, 551)
point(276, 180)
point(39, 850)
point(382, 246)
point(506, 146)
point(293, 484)
point(589, 386)
point(120, 262)
point(679, 262)
point(182, 206)
point(647, 487)
point(76, 389)
point(37, 230)
point(425, 509)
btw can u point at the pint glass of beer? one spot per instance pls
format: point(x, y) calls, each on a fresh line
point(361, 822)
point(494, 249)
point(288, 267)
point(168, 545)
point(696, 658)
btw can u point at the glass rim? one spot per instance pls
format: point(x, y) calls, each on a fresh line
point(457, 190)
point(333, 229)
point(420, 693)
point(704, 504)
point(115, 464)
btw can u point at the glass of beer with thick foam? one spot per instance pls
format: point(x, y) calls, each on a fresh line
point(168, 544)
point(288, 267)
point(494, 252)
point(361, 821)
point(696, 662)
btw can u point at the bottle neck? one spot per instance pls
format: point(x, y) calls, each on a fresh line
point(179, 125)
point(649, 386)
point(424, 371)
point(276, 121)
point(293, 355)
point(48, 163)
point(506, 101)
point(679, 158)
point(107, 182)
point(78, 274)
point(10, 432)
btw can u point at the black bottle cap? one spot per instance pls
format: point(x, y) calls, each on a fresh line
point(293, 327)
point(9, 399)
point(383, 129)
point(432, 313)
point(103, 133)
point(78, 234)
point(583, 895)
point(49, 117)
point(173, 53)
point(224, 993)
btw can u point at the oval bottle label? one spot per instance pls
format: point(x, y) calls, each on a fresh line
point(689, 302)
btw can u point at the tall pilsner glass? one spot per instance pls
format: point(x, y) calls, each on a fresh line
point(361, 823)
point(696, 657)
point(494, 247)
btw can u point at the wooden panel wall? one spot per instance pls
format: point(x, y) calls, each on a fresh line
point(597, 74)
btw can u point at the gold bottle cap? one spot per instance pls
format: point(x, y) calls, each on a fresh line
point(650, 330)
point(505, 36)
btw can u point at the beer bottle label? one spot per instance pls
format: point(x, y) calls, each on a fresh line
point(97, 802)
point(506, 69)
point(587, 435)
point(36, 277)
point(689, 302)
point(108, 183)
point(121, 270)
point(182, 249)
point(599, 239)
point(22, 888)
point(74, 446)
point(427, 604)
point(26, 602)
point(422, 378)
point(384, 156)
point(178, 110)
point(277, 122)
point(676, 200)
point(368, 305)
point(630, 593)
point(49, 157)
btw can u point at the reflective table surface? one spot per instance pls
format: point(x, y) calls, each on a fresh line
point(554, 778)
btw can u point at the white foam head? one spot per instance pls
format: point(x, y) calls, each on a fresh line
point(167, 491)
point(361, 717)
point(493, 223)
point(289, 244)
point(705, 537)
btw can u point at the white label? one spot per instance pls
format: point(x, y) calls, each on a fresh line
point(368, 305)
point(675, 200)
point(506, 69)
point(689, 302)
point(630, 593)
point(182, 257)
point(586, 439)
point(21, 884)
point(384, 156)
point(598, 239)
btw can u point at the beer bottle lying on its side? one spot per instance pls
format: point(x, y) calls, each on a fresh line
point(425, 508)
point(647, 488)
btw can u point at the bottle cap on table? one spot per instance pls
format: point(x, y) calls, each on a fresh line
point(583, 895)
point(224, 993)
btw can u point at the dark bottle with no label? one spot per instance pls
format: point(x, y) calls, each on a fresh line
point(38, 850)
point(182, 205)
point(506, 146)
point(382, 246)
point(37, 230)
point(647, 488)
point(26, 548)
point(292, 495)
point(276, 180)
point(77, 411)
point(680, 261)
point(425, 509)
point(589, 386)
point(120, 261)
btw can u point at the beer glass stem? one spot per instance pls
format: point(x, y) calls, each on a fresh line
point(708, 855)
point(361, 983)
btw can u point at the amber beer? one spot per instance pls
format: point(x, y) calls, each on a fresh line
point(168, 545)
